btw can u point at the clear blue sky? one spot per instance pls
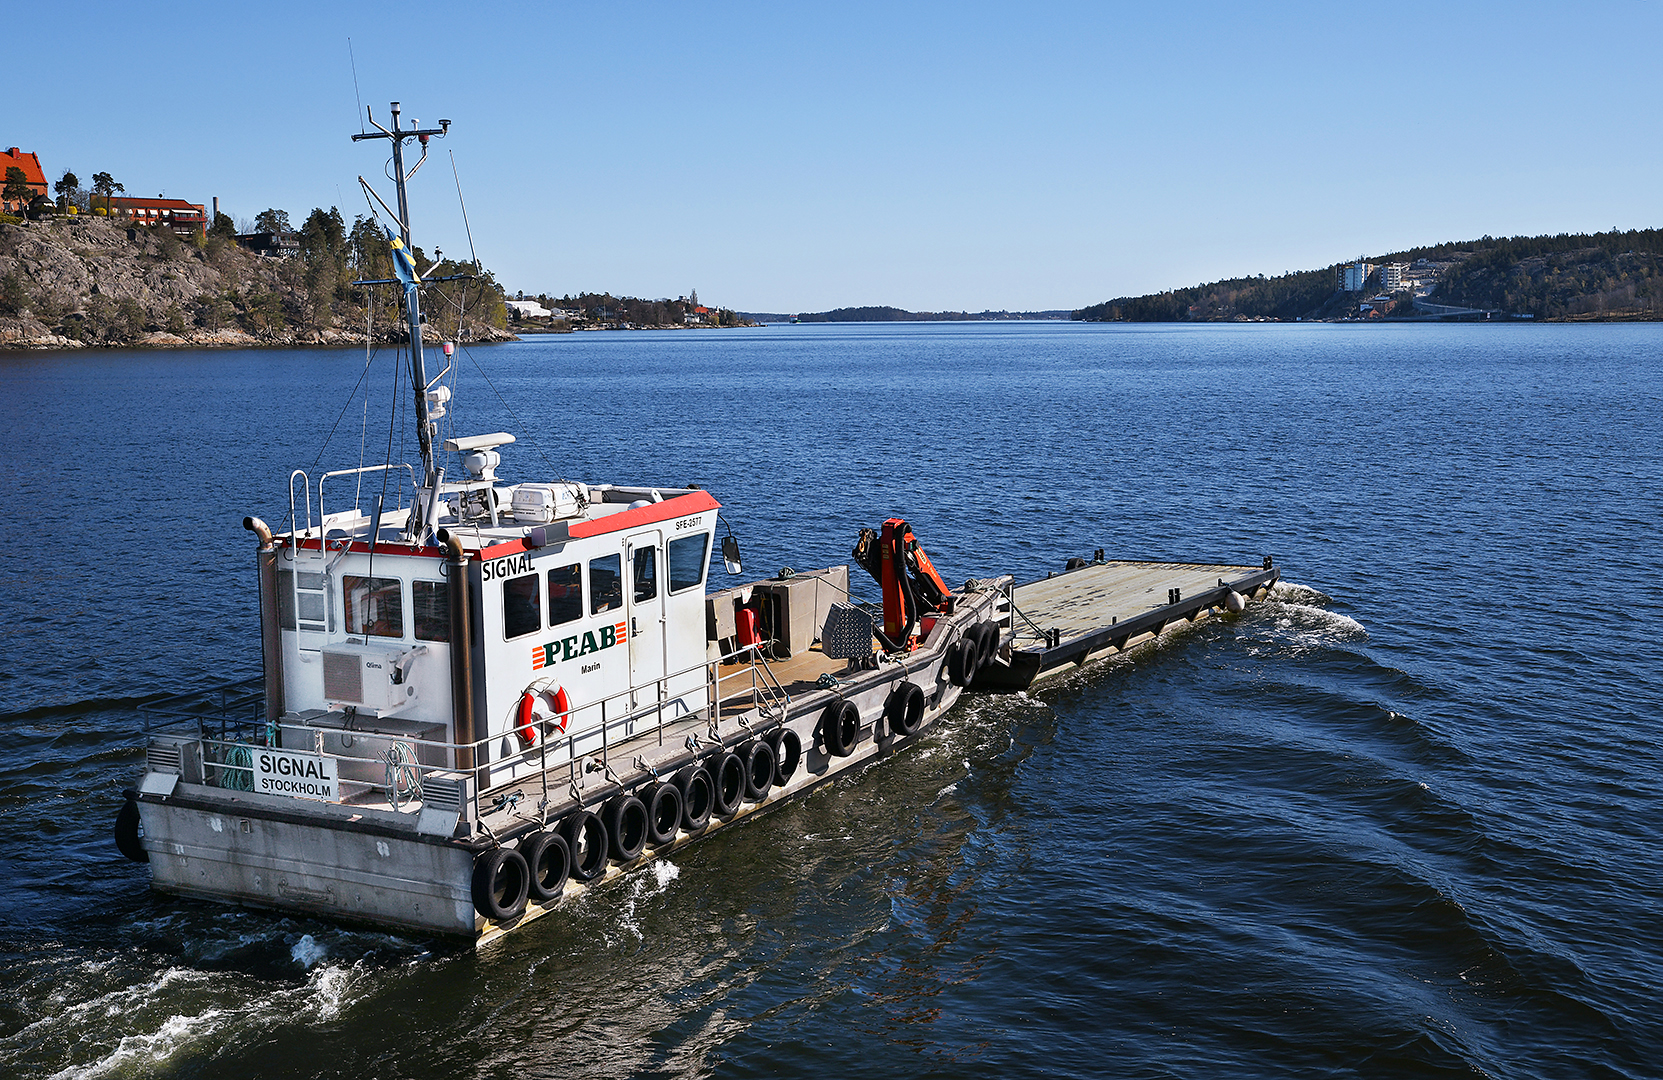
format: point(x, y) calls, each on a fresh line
point(931, 156)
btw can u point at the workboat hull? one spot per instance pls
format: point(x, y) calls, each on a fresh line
point(415, 870)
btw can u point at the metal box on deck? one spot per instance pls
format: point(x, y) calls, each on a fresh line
point(793, 610)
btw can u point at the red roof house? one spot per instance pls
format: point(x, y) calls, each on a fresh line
point(30, 164)
point(186, 218)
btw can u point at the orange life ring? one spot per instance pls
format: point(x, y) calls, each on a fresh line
point(526, 718)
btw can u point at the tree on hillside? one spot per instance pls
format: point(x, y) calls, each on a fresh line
point(272, 221)
point(323, 234)
point(223, 226)
point(68, 190)
point(323, 243)
point(17, 187)
point(105, 185)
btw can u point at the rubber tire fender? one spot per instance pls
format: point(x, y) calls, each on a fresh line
point(905, 709)
point(788, 754)
point(840, 727)
point(663, 803)
point(697, 797)
point(548, 863)
point(626, 826)
point(953, 662)
point(586, 845)
point(127, 839)
point(501, 882)
point(760, 763)
point(727, 783)
point(970, 656)
point(987, 643)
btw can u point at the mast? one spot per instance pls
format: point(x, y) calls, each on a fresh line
point(412, 302)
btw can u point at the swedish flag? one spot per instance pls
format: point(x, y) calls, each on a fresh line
point(403, 265)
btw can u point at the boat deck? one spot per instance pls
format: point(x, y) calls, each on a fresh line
point(797, 674)
point(1071, 618)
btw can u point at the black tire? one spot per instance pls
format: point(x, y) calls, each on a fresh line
point(548, 862)
point(905, 709)
point(663, 803)
point(626, 827)
point(788, 754)
point(586, 845)
point(759, 762)
point(987, 643)
point(954, 663)
point(501, 882)
point(727, 787)
point(970, 654)
point(696, 797)
point(127, 838)
point(840, 727)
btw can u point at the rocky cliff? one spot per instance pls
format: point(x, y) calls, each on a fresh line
point(82, 282)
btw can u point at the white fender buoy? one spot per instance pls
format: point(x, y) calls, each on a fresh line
point(1234, 601)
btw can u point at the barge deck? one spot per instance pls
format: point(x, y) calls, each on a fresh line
point(1096, 609)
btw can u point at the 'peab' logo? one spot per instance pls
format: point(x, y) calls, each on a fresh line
point(570, 648)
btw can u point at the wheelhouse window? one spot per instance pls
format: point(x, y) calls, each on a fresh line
point(374, 606)
point(522, 611)
point(430, 606)
point(565, 594)
point(646, 573)
point(606, 584)
point(689, 557)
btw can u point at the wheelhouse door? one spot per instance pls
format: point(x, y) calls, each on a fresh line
point(644, 557)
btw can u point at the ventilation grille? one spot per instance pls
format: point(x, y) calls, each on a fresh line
point(442, 794)
point(163, 759)
point(343, 677)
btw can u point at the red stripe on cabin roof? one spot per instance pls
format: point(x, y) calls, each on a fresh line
point(694, 502)
point(382, 547)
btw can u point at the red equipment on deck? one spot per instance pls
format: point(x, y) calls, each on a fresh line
point(910, 583)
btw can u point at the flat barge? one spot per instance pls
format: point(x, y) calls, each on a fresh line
point(1099, 608)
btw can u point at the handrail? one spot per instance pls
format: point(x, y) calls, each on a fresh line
point(323, 517)
point(213, 707)
point(294, 525)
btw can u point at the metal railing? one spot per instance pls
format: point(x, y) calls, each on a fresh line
point(299, 530)
point(228, 722)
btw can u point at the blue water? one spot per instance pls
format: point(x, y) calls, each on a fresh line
point(1401, 820)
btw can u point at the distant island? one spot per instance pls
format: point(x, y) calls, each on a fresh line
point(546, 314)
point(895, 314)
point(1571, 277)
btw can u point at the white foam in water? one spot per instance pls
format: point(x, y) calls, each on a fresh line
point(652, 880)
point(1306, 624)
point(330, 986)
point(1294, 593)
point(307, 951)
point(148, 1050)
point(666, 872)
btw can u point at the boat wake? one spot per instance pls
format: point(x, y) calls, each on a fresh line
point(1298, 617)
point(183, 987)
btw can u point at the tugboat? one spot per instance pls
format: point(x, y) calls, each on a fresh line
point(484, 702)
